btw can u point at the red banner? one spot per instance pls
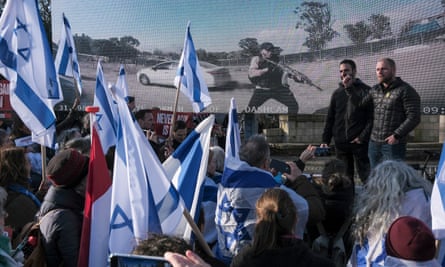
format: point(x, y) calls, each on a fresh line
point(163, 120)
point(5, 105)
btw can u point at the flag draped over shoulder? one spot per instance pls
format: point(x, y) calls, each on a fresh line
point(66, 58)
point(189, 77)
point(121, 83)
point(95, 230)
point(233, 139)
point(438, 200)
point(187, 167)
point(106, 117)
point(143, 199)
point(26, 61)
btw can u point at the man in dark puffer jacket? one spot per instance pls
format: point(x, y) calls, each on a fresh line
point(396, 113)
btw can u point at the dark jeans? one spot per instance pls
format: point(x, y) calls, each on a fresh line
point(355, 156)
point(379, 152)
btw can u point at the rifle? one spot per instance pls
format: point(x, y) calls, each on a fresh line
point(294, 74)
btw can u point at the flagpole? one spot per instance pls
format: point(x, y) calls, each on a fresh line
point(197, 232)
point(175, 107)
point(42, 185)
point(92, 110)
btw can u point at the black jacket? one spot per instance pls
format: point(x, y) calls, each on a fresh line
point(396, 111)
point(61, 226)
point(292, 252)
point(347, 118)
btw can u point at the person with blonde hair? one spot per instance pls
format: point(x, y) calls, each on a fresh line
point(274, 241)
point(393, 189)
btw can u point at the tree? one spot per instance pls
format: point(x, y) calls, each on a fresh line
point(380, 26)
point(315, 19)
point(249, 47)
point(83, 43)
point(358, 32)
point(45, 13)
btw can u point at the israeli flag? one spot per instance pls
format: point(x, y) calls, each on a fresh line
point(121, 83)
point(189, 77)
point(143, 199)
point(187, 167)
point(66, 58)
point(107, 115)
point(438, 207)
point(26, 61)
point(233, 139)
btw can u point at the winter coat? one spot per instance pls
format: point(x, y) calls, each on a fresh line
point(347, 118)
point(61, 225)
point(291, 252)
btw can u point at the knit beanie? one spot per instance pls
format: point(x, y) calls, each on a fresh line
point(67, 168)
point(409, 238)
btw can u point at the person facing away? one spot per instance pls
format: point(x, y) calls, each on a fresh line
point(396, 114)
point(393, 189)
point(274, 241)
point(265, 73)
point(243, 182)
point(21, 204)
point(410, 243)
point(159, 244)
point(61, 213)
point(348, 123)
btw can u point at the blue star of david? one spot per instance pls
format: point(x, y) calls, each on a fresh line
point(118, 213)
point(24, 52)
point(98, 118)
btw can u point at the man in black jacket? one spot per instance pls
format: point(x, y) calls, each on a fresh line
point(349, 123)
point(396, 113)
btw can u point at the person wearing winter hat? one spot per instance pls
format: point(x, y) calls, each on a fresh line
point(61, 213)
point(410, 242)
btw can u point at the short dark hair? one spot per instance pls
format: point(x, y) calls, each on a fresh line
point(179, 124)
point(158, 244)
point(255, 151)
point(139, 115)
point(130, 99)
point(350, 62)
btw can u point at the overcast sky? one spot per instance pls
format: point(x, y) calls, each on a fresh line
point(219, 25)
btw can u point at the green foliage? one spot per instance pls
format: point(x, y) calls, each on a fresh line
point(315, 19)
point(358, 32)
point(380, 26)
point(249, 46)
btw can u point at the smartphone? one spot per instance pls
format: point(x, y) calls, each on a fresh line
point(130, 260)
point(279, 166)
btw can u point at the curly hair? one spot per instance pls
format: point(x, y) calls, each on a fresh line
point(158, 244)
point(276, 216)
point(14, 167)
point(334, 177)
point(379, 203)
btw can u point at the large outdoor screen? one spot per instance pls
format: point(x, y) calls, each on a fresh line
point(313, 37)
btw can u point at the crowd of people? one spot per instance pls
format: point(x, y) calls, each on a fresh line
point(251, 214)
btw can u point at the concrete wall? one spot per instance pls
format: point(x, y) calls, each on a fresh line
point(307, 129)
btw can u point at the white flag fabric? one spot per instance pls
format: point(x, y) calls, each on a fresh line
point(189, 76)
point(143, 199)
point(233, 139)
point(66, 58)
point(121, 83)
point(106, 117)
point(438, 206)
point(26, 61)
point(187, 167)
